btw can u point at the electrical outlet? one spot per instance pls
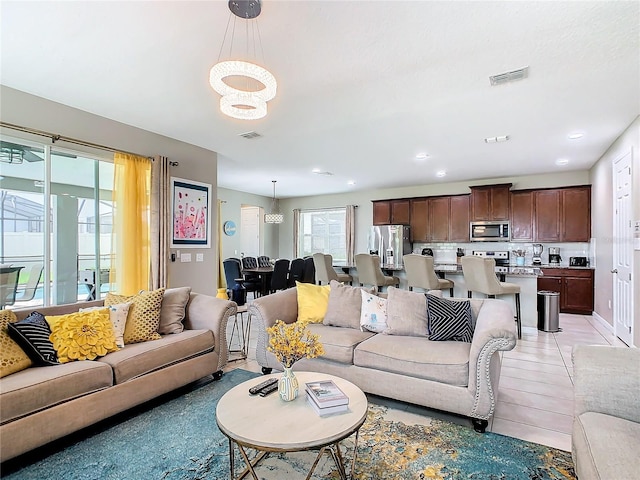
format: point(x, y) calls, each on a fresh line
point(199, 257)
point(185, 257)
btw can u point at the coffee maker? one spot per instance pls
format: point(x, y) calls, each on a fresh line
point(554, 256)
point(537, 252)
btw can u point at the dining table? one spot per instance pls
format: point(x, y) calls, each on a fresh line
point(265, 277)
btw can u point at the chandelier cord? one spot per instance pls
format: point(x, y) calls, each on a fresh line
point(225, 38)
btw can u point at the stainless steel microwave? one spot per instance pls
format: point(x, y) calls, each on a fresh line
point(489, 232)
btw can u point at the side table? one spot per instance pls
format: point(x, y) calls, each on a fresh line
point(241, 330)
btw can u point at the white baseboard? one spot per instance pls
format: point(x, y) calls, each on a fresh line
point(603, 322)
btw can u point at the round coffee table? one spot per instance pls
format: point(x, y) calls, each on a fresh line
point(269, 424)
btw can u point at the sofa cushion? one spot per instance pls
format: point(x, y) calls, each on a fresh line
point(406, 313)
point(313, 301)
point(118, 315)
point(37, 388)
point(343, 308)
point(12, 357)
point(32, 334)
point(602, 446)
point(172, 312)
point(449, 319)
point(82, 335)
point(144, 314)
point(444, 362)
point(373, 313)
point(339, 342)
point(138, 359)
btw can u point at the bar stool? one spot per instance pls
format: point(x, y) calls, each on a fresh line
point(420, 273)
point(325, 271)
point(370, 273)
point(480, 276)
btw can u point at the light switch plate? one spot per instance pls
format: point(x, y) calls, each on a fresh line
point(185, 257)
point(199, 257)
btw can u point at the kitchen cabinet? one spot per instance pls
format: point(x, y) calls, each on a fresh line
point(547, 215)
point(391, 212)
point(522, 212)
point(419, 220)
point(490, 202)
point(562, 214)
point(440, 219)
point(575, 287)
point(459, 218)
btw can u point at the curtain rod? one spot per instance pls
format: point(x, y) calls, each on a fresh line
point(55, 138)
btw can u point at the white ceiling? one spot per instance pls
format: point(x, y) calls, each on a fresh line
point(363, 86)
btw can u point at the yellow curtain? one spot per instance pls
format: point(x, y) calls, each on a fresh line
point(130, 263)
point(222, 282)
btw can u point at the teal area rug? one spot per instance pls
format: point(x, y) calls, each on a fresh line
point(179, 440)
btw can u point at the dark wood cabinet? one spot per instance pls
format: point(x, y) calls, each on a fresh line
point(575, 287)
point(391, 212)
point(439, 219)
point(490, 202)
point(459, 218)
point(576, 214)
point(522, 212)
point(419, 220)
point(547, 215)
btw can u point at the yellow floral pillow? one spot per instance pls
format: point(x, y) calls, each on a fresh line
point(144, 314)
point(82, 335)
point(12, 357)
point(313, 301)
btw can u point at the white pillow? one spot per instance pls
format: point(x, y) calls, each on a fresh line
point(373, 313)
point(118, 316)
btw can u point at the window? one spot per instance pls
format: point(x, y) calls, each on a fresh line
point(68, 241)
point(323, 231)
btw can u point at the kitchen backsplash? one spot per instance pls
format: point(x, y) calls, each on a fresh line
point(446, 252)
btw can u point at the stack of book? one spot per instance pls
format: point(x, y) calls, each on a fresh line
point(326, 398)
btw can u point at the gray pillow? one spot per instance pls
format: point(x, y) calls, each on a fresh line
point(343, 309)
point(172, 312)
point(406, 313)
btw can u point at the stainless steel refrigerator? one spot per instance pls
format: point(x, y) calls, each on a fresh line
point(391, 243)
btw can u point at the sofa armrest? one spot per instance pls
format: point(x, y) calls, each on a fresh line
point(495, 331)
point(607, 380)
point(266, 310)
point(210, 313)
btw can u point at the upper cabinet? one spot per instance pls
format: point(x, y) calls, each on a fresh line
point(576, 214)
point(490, 202)
point(391, 212)
point(460, 214)
point(547, 215)
point(440, 219)
point(522, 212)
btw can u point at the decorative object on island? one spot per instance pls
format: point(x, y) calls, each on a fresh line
point(250, 103)
point(290, 343)
point(519, 254)
point(274, 215)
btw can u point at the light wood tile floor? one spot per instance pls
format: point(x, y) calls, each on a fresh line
point(535, 400)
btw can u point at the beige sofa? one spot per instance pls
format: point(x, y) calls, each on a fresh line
point(606, 428)
point(457, 377)
point(41, 404)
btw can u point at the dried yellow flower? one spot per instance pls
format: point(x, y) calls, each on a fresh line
point(293, 341)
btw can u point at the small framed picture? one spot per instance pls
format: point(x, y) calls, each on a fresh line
point(190, 213)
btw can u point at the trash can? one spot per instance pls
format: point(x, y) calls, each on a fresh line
point(548, 311)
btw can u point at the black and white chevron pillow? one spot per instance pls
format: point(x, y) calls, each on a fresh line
point(449, 319)
point(32, 334)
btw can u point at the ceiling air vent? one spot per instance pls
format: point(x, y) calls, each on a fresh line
point(250, 135)
point(507, 77)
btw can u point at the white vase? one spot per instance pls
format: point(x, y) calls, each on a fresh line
point(288, 385)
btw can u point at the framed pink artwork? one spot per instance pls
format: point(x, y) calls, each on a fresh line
point(191, 213)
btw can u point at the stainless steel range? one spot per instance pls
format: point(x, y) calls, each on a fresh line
point(501, 258)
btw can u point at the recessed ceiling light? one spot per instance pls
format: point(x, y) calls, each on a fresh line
point(500, 139)
point(316, 170)
point(575, 135)
point(422, 156)
point(441, 173)
point(351, 182)
point(562, 161)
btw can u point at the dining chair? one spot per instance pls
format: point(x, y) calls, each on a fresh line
point(480, 276)
point(370, 273)
point(252, 281)
point(309, 272)
point(279, 275)
point(264, 261)
point(35, 274)
point(8, 285)
point(296, 270)
point(323, 263)
point(421, 274)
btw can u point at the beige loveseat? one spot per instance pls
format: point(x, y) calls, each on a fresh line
point(606, 427)
point(454, 376)
point(41, 404)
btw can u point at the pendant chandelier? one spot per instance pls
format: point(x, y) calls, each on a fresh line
point(274, 215)
point(253, 85)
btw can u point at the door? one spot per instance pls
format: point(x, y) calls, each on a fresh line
point(250, 238)
point(622, 250)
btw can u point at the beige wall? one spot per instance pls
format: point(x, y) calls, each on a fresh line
point(195, 163)
point(602, 213)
